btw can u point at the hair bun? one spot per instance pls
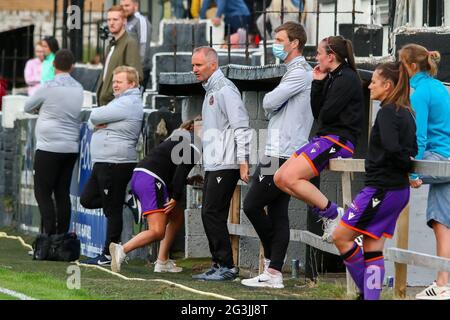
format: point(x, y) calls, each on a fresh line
point(435, 56)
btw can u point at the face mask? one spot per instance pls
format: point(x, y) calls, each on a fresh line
point(278, 51)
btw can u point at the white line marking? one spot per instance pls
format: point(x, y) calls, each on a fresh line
point(15, 294)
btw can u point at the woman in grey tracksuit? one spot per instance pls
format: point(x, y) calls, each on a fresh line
point(113, 151)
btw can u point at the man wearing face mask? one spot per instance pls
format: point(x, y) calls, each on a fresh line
point(290, 119)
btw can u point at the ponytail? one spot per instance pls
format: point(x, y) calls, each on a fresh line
point(425, 60)
point(350, 54)
point(342, 49)
point(434, 57)
point(396, 73)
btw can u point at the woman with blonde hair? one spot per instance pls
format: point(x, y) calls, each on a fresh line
point(33, 69)
point(431, 102)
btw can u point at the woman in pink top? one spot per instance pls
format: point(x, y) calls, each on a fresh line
point(33, 69)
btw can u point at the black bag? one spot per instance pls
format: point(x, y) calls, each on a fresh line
point(69, 249)
point(41, 246)
point(58, 247)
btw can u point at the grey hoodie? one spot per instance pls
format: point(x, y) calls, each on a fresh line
point(288, 108)
point(58, 103)
point(123, 118)
point(226, 131)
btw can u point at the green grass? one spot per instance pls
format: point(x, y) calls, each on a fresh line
point(6, 297)
point(47, 280)
point(41, 286)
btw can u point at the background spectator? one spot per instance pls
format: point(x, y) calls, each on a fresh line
point(3, 90)
point(122, 50)
point(178, 9)
point(140, 29)
point(196, 6)
point(50, 46)
point(273, 20)
point(33, 69)
point(236, 14)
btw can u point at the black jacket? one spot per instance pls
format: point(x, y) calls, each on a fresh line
point(171, 163)
point(337, 103)
point(391, 146)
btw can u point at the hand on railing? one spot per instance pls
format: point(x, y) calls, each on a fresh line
point(415, 183)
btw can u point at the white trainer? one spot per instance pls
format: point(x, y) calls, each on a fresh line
point(265, 280)
point(329, 225)
point(434, 292)
point(167, 266)
point(117, 256)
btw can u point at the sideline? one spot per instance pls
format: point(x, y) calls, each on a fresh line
point(183, 287)
point(15, 294)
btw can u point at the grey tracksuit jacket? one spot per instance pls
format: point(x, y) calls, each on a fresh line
point(140, 29)
point(226, 132)
point(58, 103)
point(288, 109)
point(123, 118)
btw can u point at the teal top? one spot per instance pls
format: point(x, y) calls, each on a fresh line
point(48, 71)
point(431, 102)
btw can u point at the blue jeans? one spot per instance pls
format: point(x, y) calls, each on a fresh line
point(438, 208)
point(236, 22)
point(178, 9)
point(428, 155)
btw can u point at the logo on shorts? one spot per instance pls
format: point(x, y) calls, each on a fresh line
point(261, 177)
point(351, 215)
point(211, 100)
point(354, 207)
point(375, 202)
point(219, 179)
point(333, 150)
point(158, 184)
point(313, 150)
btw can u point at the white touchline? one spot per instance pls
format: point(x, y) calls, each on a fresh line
point(15, 294)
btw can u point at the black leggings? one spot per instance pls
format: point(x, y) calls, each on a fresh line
point(106, 189)
point(273, 227)
point(52, 176)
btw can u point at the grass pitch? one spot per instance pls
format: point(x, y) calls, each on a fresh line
point(48, 280)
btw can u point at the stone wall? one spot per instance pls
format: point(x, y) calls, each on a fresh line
point(43, 22)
